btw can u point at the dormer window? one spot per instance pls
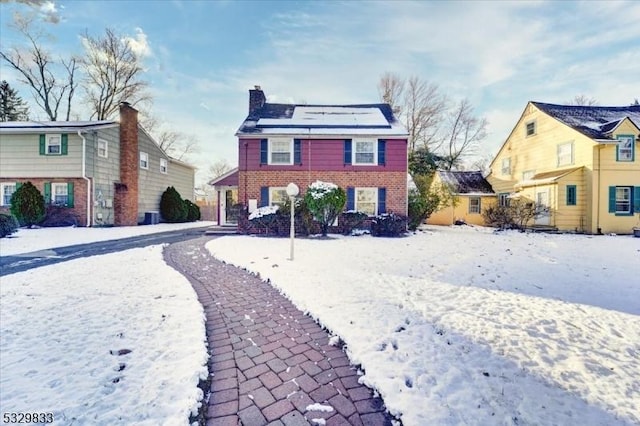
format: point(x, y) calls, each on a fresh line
point(625, 148)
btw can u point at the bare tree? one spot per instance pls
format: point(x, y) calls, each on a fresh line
point(217, 168)
point(465, 132)
point(419, 105)
point(583, 100)
point(113, 74)
point(390, 88)
point(41, 73)
point(176, 144)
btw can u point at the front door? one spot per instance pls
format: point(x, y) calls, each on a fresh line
point(542, 206)
point(229, 203)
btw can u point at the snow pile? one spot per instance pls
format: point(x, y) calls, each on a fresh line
point(263, 211)
point(464, 325)
point(112, 339)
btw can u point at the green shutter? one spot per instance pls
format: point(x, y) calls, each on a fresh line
point(572, 198)
point(70, 194)
point(18, 185)
point(64, 143)
point(47, 192)
point(43, 145)
point(636, 199)
point(612, 199)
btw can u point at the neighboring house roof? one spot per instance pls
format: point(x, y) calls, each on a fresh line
point(547, 177)
point(596, 122)
point(229, 178)
point(466, 182)
point(53, 126)
point(292, 119)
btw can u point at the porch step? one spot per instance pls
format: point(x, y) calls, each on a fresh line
point(222, 230)
point(542, 228)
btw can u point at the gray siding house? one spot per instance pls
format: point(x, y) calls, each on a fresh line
point(108, 172)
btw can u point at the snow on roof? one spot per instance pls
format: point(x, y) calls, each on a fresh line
point(52, 126)
point(546, 177)
point(596, 122)
point(466, 182)
point(287, 119)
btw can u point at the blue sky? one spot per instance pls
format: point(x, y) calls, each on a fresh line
point(202, 57)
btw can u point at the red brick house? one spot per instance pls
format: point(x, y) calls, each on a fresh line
point(361, 148)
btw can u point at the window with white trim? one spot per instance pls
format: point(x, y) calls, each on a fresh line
point(364, 152)
point(278, 196)
point(53, 145)
point(623, 200)
point(506, 166)
point(474, 205)
point(366, 200)
point(59, 193)
point(144, 160)
point(530, 128)
point(163, 165)
point(565, 154)
point(103, 148)
point(6, 191)
point(280, 151)
point(625, 148)
point(528, 174)
point(503, 199)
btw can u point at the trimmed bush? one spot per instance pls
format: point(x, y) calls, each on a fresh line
point(8, 225)
point(27, 205)
point(265, 219)
point(193, 211)
point(352, 220)
point(172, 207)
point(59, 216)
point(389, 225)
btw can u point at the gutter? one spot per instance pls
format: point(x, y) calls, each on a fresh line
point(84, 176)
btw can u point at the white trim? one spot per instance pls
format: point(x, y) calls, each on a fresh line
point(272, 189)
point(55, 185)
point(2, 186)
point(106, 148)
point(572, 154)
point(146, 160)
point(48, 144)
point(354, 144)
point(166, 166)
point(270, 151)
point(375, 198)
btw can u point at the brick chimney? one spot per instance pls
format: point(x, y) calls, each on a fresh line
point(125, 202)
point(256, 99)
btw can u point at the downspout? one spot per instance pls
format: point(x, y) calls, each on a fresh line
point(598, 230)
point(84, 176)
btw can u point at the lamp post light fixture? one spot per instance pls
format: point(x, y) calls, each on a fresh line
point(292, 192)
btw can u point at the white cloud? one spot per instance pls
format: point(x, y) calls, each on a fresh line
point(139, 44)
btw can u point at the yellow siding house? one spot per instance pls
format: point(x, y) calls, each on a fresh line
point(473, 194)
point(581, 163)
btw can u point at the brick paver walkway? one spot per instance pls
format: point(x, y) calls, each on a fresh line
point(269, 362)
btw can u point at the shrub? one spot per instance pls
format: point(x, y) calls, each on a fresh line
point(59, 216)
point(27, 205)
point(193, 211)
point(264, 219)
point(172, 207)
point(388, 225)
point(8, 225)
point(352, 220)
point(325, 201)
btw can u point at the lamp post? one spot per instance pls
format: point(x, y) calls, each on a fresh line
point(292, 192)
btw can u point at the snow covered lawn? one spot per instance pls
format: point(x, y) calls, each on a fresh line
point(464, 325)
point(116, 339)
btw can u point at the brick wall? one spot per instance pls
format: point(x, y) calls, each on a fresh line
point(125, 203)
point(79, 194)
point(250, 182)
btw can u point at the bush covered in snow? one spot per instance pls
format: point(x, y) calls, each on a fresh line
point(325, 201)
point(389, 225)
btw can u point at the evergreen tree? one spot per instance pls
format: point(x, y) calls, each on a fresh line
point(12, 107)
